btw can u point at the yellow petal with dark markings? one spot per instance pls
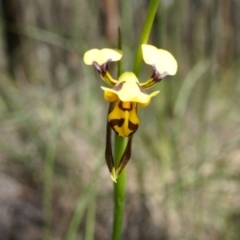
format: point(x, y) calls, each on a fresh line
point(123, 118)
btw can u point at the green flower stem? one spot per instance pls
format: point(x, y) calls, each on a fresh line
point(120, 143)
point(119, 190)
point(145, 34)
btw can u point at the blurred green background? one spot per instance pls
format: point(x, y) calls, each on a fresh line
point(183, 180)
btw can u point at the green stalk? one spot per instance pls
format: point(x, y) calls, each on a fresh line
point(120, 142)
point(119, 189)
point(145, 34)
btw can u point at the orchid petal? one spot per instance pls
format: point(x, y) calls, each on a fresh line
point(161, 59)
point(101, 56)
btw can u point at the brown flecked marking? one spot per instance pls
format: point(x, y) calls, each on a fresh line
point(132, 126)
point(118, 87)
point(120, 105)
point(117, 122)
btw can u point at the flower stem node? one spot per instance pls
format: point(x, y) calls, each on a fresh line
point(127, 94)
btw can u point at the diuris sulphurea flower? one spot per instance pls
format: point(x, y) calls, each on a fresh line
point(127, 94)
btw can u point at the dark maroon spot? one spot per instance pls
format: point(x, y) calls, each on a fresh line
point(116, 122)
point(102, 69)
point(132, 126)
point(157, 76)
point(120, 105)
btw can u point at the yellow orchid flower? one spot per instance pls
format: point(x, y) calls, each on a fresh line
point(127, 93)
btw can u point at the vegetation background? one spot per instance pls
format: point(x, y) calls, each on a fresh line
point(183, 180)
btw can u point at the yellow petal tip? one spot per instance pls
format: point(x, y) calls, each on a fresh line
point(114, 175)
